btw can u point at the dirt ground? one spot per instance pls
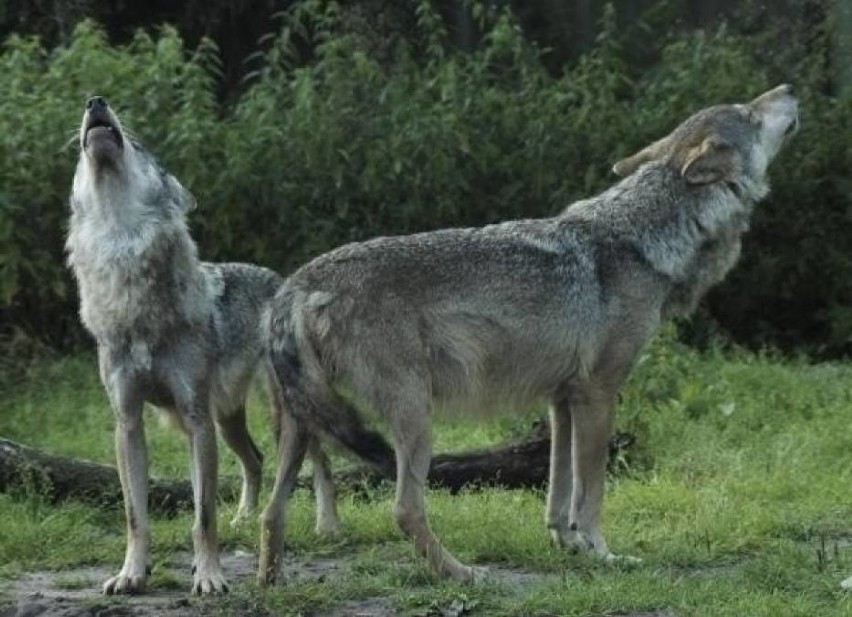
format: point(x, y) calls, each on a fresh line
point(76, 593)
point(49, 594)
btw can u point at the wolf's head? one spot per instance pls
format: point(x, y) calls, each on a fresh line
point(114, 171)
point(731, 144)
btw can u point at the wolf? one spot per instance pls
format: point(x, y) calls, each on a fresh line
point(170, 330)
point(553, 309)
point(847, 584)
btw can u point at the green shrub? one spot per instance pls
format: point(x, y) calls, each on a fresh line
point(347, 146)
point(158, 90)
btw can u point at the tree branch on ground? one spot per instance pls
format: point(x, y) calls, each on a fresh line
point(517, 464)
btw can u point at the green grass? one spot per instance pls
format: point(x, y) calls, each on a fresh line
point(738, 502)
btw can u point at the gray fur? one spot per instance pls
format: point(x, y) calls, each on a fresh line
point(172, 331)
point(552, 309)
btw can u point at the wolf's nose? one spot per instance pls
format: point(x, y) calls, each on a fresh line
point(96, 102)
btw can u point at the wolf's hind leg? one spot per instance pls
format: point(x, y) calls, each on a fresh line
point(412, 442)
point(234, 431)
point(326, 505)
point(292, 447)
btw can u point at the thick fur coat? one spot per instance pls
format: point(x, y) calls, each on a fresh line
point(552, 309)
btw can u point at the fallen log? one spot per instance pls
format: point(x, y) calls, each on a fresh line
point(32, 471)
point(518, 464)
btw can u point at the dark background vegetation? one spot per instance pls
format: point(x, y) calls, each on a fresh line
point(303, 125)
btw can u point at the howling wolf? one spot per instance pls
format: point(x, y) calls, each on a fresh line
point(171, 330)
point(553, 309)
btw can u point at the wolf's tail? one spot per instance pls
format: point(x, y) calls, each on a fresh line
point(305, 390)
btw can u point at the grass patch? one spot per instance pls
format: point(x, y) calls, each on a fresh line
point(738, 504)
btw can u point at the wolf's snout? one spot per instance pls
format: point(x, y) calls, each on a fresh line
point(784, 90)
point(784, 93)
point(96, 103)
point(100, 134)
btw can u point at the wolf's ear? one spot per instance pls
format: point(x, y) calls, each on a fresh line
point(713, 160)
point(656, 150)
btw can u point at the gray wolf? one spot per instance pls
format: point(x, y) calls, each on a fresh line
point(553, 309)
point(170, 330)
point(847, 584)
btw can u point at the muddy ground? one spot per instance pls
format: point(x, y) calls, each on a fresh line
point(76, 593)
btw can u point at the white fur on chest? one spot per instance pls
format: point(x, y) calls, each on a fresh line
point(138, 279)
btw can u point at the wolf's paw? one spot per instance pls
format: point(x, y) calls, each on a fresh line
point(575, 540)
point(269, 577)
point(327, 525)
point(211, 581)
point(479, 575)
point(269, 569)
point(473, 575)
point(126, 581)
point(622, 560)
point(572, 540)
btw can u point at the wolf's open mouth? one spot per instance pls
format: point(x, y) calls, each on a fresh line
point(100, 126)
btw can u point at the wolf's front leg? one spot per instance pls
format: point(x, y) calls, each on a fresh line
point(132, 462)
point(592, 418)
point(559, 485)
point(208, 577)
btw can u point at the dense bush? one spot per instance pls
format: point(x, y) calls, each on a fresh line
point(349, 146)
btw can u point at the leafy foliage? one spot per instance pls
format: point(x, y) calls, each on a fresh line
point(353, 144)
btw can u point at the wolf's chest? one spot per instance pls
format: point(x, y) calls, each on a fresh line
point(138, 289)
point(120, 293)
point(712, 262)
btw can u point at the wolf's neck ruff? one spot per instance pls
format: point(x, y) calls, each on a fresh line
point(689, 235)
point(136, 264)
